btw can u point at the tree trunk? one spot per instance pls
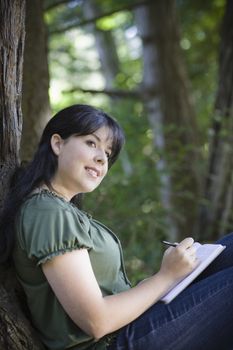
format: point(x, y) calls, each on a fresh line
point(15, 330)
point(170, 113)
point(35, 103)
point(216, 216)
point(11, 55)
point(105, 45)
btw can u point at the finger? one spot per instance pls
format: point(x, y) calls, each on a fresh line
point(194, 263)
point(186, 243)
point(194, 257)
point(168, 250)
point(192, 251)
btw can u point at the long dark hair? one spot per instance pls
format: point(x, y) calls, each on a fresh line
point(76, 119)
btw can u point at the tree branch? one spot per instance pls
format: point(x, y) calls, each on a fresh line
point(95, 18)
point(110, 92)
point(55, 4)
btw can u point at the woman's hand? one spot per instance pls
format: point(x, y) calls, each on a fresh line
point(179, 261)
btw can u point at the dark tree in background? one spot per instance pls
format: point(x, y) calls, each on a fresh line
point(216, 215)
point(171, 115)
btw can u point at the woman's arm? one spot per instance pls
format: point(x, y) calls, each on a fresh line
point(73, 281)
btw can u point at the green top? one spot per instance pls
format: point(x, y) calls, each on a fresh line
point(48, 226)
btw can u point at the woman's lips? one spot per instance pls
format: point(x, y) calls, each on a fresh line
point(93, 172)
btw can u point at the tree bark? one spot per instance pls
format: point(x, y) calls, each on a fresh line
point(216, 215)
point(15, 330)
point(171, 115)
point(35, 103)
point(11, 59)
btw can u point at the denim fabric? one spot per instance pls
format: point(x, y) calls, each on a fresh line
point(200, 318)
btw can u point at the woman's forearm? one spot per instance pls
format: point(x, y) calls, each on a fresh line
point(81, 297)
point(118, 310)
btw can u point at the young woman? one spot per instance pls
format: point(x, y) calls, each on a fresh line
point(71, 266)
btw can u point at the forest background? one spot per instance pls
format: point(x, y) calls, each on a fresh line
point(164, 70)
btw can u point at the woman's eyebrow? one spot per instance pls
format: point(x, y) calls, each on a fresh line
point(99, 139)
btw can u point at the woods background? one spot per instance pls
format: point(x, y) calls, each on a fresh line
point(164, 70)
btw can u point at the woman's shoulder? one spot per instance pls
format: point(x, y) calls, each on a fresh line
point(43, 200)
point(44, 212)
point(44, 206)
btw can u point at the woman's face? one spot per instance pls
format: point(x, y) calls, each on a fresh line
point(82, 161)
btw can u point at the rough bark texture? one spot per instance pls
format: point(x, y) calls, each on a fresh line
point(216, 215)
point(11, 55)
point(15, 330)
point(35, 103)
point(170, 114)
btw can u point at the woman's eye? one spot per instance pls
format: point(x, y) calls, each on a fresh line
point(108, 154)
point(91, 143)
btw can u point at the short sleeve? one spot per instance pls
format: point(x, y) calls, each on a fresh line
point(48, 231)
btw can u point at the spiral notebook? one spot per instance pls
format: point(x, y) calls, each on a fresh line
point(206, 253)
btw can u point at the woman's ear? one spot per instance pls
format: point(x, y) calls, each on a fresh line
point(56, 143)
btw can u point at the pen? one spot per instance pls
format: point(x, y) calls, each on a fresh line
point(170, 243)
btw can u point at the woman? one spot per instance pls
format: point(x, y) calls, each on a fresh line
point(71, 266)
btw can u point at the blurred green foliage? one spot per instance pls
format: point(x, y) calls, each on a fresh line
point(200, 24)
point(128, 200)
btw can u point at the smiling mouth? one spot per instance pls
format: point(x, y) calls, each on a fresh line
point(93, 172)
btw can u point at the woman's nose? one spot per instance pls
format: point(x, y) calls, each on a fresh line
point(100, 157)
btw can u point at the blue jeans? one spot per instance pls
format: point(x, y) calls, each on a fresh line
point(200, 318)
